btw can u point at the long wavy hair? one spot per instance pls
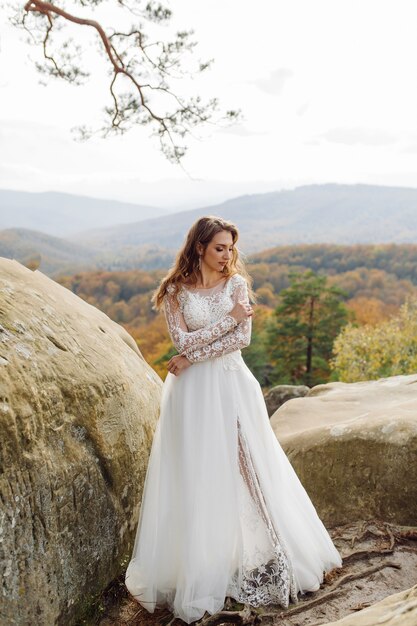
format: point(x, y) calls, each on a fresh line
point(185, 267)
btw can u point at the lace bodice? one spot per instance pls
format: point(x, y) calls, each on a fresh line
point(199, 323)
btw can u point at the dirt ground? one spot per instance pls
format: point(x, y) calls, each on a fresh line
point(379, 559)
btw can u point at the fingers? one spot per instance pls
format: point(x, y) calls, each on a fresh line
point(248, 308)
point(172, 365)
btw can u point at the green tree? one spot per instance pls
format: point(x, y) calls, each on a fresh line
point(304, 325)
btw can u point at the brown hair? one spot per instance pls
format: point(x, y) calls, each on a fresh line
point(185, 267)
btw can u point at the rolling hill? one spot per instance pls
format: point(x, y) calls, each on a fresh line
point(64, 214)
point(56, 255)
point(308, 214)
point(331, 213)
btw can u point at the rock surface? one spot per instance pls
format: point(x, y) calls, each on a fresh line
point(354, 447)
point(78, 408)
point(400, 609)
point(282, 393)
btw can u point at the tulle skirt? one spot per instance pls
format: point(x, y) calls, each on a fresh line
point(223, 512)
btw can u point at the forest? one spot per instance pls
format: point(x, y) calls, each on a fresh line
point(373, 282)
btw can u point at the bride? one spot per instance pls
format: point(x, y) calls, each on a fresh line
point(223, 512)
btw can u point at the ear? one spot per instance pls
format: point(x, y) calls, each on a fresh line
point(199, 248)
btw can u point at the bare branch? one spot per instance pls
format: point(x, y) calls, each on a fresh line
point(147, 66)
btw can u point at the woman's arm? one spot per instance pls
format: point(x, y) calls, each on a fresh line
point(236, 339)
point(181, 337)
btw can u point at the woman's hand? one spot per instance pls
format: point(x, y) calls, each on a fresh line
point(241, 311)
point(177, 364)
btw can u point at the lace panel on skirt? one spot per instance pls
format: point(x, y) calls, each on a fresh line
point(266, 575)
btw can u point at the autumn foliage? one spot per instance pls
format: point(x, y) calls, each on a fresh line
point(385, 349)
point(377, 280)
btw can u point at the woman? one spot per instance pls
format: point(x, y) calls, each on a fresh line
point(223, 512)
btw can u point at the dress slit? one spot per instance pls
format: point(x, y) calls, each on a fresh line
point(272, 580)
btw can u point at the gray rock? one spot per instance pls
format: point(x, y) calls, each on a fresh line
point(354, 447)
point(78, 408)
point(281, 393)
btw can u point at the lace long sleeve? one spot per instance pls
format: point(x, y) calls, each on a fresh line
point(236, 339)
point(181, 337)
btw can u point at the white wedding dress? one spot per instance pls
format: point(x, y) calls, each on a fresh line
point(223, 512)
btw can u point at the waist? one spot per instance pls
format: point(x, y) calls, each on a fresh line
point(232, 360)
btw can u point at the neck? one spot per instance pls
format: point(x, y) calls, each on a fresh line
point(209, 278)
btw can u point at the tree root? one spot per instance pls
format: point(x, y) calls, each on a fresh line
point(131, 620)
point(247, 615)
point(335, 591)
point(406, 532)
point(302, 606)
point(359, 554)
point(384, 531)
point(392, 533)
point(365, 572)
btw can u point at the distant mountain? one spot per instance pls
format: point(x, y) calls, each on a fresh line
point(54, 254)
point(330, 213)
point(64, 214)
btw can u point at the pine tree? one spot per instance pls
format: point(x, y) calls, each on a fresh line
point(303, 328)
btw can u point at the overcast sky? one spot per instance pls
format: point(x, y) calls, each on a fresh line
point(328, 89)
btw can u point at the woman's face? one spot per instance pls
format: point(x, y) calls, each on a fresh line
point(218, 251)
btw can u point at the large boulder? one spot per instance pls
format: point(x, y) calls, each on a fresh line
point(78, 408)
point(282, 393)
point(354, 447)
